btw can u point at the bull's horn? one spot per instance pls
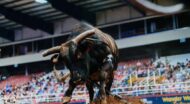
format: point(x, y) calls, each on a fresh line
point(83, 35)
point(51, 51)
point(145, 4)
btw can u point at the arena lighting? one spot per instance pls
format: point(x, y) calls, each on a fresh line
point(41, 1)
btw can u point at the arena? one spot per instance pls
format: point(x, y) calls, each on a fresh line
point(152, 36)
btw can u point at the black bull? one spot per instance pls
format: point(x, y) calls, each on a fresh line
point(93, 53)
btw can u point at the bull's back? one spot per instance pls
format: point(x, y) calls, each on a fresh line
point(107, 39)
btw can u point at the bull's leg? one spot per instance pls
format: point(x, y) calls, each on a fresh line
point(89, 86)
point(108, 86)
point(69, 92)
point(103, 75)
point(109, 65)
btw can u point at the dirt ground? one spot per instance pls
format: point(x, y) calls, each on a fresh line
point(116, 100)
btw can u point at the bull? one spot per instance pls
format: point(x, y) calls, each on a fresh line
point(91, 58)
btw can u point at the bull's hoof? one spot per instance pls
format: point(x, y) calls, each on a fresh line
point(66, 99)
point(77, 81)
point(104, 101)
point(92, 103)
point(100, 101)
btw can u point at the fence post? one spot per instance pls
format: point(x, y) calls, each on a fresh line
point(136, 90)
point(130, 80)
point(154, 78)
point(161, 92)
point(136, 74)
point(159, 71)
point(148, 78)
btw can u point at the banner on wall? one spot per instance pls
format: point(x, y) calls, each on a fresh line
point(168, 99)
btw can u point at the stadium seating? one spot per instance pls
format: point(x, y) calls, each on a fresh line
point(15, 81)
point(156, 77)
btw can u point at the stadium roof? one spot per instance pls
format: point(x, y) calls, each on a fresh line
point(30, 13)
point(18, 13)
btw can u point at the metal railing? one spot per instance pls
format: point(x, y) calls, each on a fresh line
point(167, 88)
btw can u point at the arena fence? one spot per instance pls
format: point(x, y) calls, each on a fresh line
point(168, 88)
point(157, 89)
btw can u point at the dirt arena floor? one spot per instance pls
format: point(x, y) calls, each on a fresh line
point(116, 100)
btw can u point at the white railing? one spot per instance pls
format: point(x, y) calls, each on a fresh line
point(178, 87)
point(150, 78)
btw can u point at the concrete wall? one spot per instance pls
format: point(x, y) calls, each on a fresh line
point(67, 24)
point(60, 26)
point(3, 40)
point(28, 33)
point(22, 59)
point(158, 37)
point(117, 14)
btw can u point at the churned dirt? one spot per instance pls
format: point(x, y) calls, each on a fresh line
point(116, 100)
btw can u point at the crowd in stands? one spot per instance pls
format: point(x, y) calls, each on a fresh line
point(178, 72)
point(37, 85)
point(46, 83)
point(169, 76)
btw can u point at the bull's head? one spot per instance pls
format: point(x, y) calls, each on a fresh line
point(64, 48)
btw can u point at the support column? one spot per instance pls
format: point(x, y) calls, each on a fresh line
point(157, 54)
point(145, 27)
point(174, 23)
point(26, 70)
